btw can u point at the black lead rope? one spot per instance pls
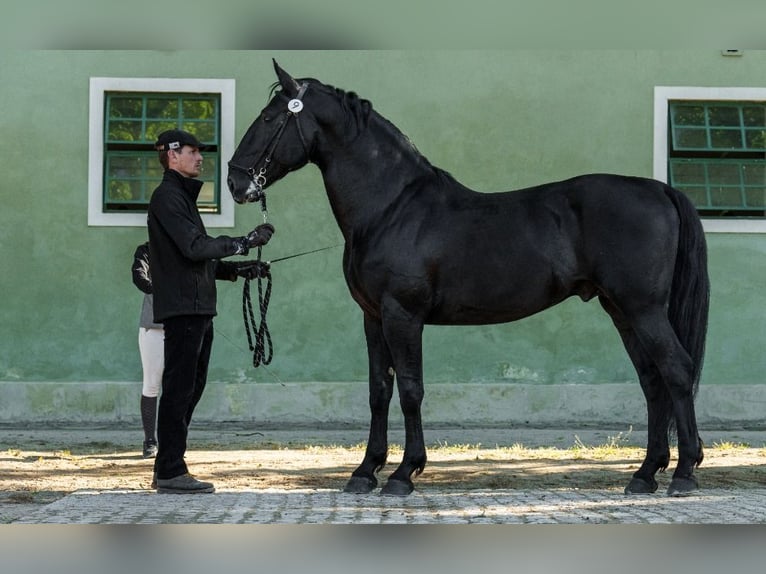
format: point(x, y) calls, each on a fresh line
point(262, 347)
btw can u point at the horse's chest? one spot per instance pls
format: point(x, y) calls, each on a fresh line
point(372, 277)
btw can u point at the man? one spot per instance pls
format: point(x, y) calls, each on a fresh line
point(185, 265)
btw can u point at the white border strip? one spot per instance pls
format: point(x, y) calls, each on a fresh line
point(225, 87)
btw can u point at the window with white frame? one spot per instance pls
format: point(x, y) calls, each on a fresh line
point(710, 143)
point(127, 115)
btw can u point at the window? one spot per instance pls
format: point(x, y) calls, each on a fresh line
point(710, 143)
point(126, 115)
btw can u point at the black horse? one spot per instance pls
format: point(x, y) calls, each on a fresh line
point(420, 248)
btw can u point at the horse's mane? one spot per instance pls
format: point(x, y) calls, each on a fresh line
point(357, 112)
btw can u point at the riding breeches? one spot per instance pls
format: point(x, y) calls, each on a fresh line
point(151, 344)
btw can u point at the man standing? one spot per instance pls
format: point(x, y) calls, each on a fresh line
point(186, 262)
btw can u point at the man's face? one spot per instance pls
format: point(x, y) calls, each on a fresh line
point(187, 161)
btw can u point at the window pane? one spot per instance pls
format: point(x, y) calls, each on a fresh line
point(688, 115)
point(124, 190)
point(726, 139)
point(754, 116)
point(725, 197)
point(723, 173)
point(162, 108)
point(205, 132)
point(756, 198)
point(686, 172)
point(754, 174)
point(207, 193)
point(154, 170)
point(209, 167)
point(199, 108)
point(120, 107)
point(698, 195)
point(124, 131)
point(690, 138)
point(723, 116)
point(123, 167)
point(755, 139)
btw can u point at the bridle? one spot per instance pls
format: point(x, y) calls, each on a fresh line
point(294, 107)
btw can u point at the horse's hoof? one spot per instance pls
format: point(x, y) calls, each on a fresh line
point(397, 488)
point(360, 485)
point(641, 486)
point(683, 486)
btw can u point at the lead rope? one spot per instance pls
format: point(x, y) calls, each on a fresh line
point(263, 347)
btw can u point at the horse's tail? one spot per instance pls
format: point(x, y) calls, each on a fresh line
point(690, 293)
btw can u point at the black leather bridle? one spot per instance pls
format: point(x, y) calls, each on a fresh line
point(294, 107)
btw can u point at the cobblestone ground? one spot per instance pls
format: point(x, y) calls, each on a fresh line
point(470, 507)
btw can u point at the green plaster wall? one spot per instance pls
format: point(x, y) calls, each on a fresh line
point(496, 120)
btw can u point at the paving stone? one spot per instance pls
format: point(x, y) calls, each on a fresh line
point(273, 506)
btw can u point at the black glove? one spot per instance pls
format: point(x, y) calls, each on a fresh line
point(256, 238)
point(260, 235)
point(252, 269)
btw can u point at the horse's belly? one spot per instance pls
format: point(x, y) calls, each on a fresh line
point(466, 314)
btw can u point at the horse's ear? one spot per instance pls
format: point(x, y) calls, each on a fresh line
point(289, 85)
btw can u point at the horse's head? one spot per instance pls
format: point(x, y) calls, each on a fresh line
point(279, 141)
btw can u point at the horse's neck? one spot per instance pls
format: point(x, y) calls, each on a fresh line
point(365, 177)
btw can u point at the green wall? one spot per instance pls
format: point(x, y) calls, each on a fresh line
point(496, 120)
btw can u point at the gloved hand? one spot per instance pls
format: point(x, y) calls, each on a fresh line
point(256, 238)
point(252, 269)
point(260, 235)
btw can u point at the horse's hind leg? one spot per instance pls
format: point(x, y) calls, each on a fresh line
point(658, 403)
point(674, 364)
point(381, 374)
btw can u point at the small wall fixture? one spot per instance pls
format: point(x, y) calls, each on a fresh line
point(731, 52)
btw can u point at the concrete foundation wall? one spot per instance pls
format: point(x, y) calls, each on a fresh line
point(338, 405)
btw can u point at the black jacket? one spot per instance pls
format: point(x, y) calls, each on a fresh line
point(142, 278)
point(185, 259)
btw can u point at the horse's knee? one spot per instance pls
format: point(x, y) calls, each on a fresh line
point(379, 402)
point(410, 397)
point(380, 395)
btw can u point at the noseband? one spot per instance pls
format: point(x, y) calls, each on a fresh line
point(258, 179)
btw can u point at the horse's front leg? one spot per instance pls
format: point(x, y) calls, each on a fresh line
point(403, 333)
point(381, 371)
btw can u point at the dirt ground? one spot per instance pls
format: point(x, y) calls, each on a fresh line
point(38, 467)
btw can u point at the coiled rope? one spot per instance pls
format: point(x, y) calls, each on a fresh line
point(258, 335)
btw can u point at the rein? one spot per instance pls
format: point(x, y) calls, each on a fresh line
point(258, 180)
